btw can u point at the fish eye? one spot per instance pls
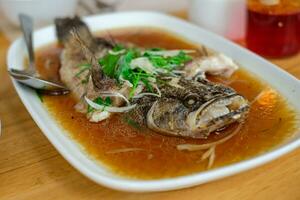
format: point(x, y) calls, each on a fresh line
point(190, 99)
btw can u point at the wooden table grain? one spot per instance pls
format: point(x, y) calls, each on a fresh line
point(30, 167)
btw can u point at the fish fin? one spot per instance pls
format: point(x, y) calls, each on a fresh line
point(100, 81)
point(64, 26)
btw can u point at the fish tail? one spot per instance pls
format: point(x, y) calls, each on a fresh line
point(64, 26)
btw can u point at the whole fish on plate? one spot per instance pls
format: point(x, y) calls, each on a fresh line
point(153, 87)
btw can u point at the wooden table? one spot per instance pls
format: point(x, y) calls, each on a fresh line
point(30, 167)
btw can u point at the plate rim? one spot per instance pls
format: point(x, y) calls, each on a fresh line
point(133, 185)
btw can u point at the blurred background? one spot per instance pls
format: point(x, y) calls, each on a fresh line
point(270, 28)
point(44, 11)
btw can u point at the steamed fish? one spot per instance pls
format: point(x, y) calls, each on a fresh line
point(153, 87)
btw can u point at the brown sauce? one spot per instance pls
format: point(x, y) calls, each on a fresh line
point(269, 123)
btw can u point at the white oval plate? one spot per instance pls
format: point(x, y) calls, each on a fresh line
point(282, 81)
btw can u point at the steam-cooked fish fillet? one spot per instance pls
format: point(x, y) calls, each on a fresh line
point(186, 106)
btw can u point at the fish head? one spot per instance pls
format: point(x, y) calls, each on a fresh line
point(195, 108)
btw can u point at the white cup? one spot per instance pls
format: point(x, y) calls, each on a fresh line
point(42, 11)
point(224, 17)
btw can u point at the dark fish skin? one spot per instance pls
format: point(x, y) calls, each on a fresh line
point(171, 111)
point(200, 91)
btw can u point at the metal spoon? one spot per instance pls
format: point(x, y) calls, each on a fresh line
point(29, 76)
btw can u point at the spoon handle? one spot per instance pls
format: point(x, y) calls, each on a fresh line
point(27, 27)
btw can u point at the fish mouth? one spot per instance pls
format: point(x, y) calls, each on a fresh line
point(216, 114)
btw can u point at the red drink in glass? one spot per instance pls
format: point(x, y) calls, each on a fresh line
point(274, 31)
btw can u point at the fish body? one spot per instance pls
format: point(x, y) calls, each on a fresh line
point(187, 106)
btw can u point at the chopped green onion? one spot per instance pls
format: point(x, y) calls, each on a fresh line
point(131, 122)
point(109, 63)
point(118, 47)
point(40, 95)
point(103, 102)
point(147, 84)
point(83, 68)
point(118, 65)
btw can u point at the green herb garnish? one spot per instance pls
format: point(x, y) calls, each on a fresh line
point(109, 63)
point(118, 47)
point(131, 122)
point(169, 63)
point(82, 69)
point(103, 102)
point(117, 64)
point(40, 95)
